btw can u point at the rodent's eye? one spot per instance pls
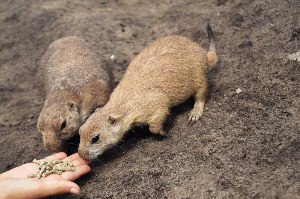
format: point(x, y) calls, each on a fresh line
point(95, 139)
point(63, 125)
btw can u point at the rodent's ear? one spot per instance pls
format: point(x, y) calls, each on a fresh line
point(112, 120)
point(98, 109)
point(40, 124)
point(71, 105)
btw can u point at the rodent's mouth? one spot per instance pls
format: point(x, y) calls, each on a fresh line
point(66, 137)
point(93, 156)
point(94, 153)
point(54, 147)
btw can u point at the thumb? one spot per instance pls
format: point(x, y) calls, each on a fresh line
point(35, 188)
point(55, 187)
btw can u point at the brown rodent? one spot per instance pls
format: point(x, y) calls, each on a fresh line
point(164, 74)
point(76, 83)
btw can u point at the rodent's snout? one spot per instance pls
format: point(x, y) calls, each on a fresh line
point(53, 146)
point(52, 143)
point(83, 153)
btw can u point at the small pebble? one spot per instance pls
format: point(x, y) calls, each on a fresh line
point(238, 91)
point(295, 56)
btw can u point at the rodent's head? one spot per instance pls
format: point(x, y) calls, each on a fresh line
point(58, 122)
point(101, 131)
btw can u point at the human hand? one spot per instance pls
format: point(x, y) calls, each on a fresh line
point(15, 184)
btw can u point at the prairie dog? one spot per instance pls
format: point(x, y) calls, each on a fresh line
point(76, 83)
point(164, 74)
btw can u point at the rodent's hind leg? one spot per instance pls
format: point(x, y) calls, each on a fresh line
point(200, 97)
point(157, 120)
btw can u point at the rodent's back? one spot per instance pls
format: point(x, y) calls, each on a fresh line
point(68, 63)
point(173, 65)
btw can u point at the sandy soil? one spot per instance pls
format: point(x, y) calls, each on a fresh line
point(247, 145)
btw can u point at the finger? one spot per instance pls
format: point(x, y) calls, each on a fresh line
point(77, 173)
point(55, 187)
point(72, 157)
point(76, 157)
point(78, 162)
point(56, 156)
point(32, 188)
point(71, 175)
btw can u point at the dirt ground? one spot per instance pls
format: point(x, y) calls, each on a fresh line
point(246, 145)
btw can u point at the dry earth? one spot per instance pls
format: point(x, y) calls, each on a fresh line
point(247, 145)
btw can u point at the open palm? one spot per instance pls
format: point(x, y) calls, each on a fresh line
point(17, 185)
point(80, 165)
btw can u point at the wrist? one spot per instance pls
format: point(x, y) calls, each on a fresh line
point(4, 194)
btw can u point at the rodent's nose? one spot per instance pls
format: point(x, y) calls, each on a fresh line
point(52, 145)
point(83, 153)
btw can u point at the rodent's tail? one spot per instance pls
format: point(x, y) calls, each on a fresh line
point(212, 57)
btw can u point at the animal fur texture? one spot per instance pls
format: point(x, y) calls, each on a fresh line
point(76, 83)
point(164, 74)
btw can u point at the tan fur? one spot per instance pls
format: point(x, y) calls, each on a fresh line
point(212, 59)
point(164, 74)
point(76, 83)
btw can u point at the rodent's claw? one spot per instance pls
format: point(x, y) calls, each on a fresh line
point(194, 116)
point(191, 122)
point(162, 133)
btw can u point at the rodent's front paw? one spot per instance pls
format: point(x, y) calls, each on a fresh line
point(195, 115)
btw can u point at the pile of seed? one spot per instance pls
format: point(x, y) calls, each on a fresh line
point(51, 167)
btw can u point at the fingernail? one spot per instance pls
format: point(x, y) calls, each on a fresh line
point(74, 191)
